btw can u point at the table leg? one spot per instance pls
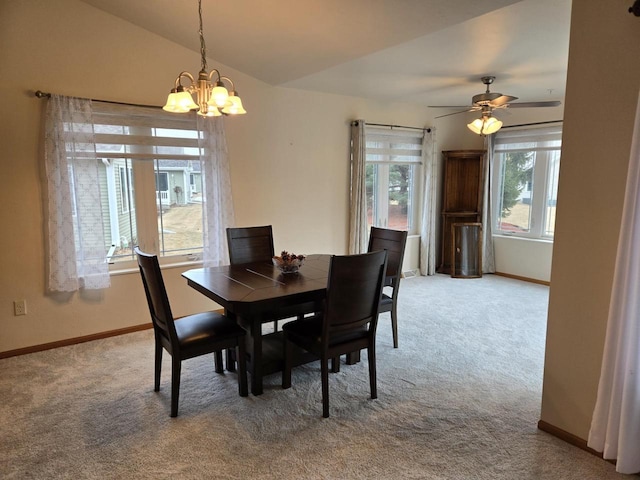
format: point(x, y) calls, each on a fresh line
point(255, 349)
point(230, 360)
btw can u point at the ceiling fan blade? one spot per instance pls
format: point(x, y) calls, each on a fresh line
point(502, 100)
point(553, 103)
point(449, 106)
point(456, 113)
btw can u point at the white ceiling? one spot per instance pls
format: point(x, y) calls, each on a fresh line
point(431, 52)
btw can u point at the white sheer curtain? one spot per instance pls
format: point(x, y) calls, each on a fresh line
point(430, 182)
point(76, 245)
point(358, 199)
point(218, 204)
point(615, 426)
point(488, 253)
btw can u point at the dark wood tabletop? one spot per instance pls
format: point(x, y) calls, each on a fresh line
point(252, 293)
point(255, 288)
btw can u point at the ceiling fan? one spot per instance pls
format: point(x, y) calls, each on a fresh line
point(486, 103)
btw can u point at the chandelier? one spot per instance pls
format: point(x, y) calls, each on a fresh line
point(485, 125)
point(212, 98)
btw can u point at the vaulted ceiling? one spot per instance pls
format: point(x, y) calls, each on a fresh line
point(431, 52)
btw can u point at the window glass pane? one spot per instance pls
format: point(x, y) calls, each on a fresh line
point(119, 208)
point(179, 206)
point(552, 193)
point(399, 198)
point(124, 190)
point(371, 186)
point(392, 167)
point(516, 193)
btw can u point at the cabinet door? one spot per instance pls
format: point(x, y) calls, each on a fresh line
point(463, 181)
point(448, 220)
point(466, 240)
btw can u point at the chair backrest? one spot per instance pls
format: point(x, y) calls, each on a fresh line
point(354, 288)
point(156, 293)
point(394, 242)
point(250, 244)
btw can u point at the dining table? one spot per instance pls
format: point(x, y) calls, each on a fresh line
point(255, 293)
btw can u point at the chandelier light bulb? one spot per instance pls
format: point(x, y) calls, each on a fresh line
point(234, 105)
point(485, 125)
point(219, 95)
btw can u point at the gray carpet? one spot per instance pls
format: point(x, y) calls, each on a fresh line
point(459, 399)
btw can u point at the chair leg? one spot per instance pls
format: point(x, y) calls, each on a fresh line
point(275, 325)
point(242, 368)
point(286, 370)
point(394, 325)
point(231, 361)
point(218, 361)
point(325, 387)
point(353, 357)
point(176, 365)
point(371, 353)
point(158, 367)
point(335, 364)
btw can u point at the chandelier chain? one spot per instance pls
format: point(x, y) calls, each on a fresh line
point(203, 47)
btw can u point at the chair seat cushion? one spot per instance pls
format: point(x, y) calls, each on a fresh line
point(311, 329)
point(386, 304)
point(385, 299)
point(195, 332)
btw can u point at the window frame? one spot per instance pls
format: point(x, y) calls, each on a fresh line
point(545, 143)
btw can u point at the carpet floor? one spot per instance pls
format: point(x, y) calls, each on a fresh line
point(460, 399)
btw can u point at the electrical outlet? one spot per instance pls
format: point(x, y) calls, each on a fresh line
point(19, 307)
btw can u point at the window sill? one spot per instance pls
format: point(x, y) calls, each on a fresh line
point(525, 239)
point(128, 270)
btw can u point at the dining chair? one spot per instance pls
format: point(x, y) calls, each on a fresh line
point(250, 244)
point(347, 321)
point(187, 337)
point(255, 244)
point(394, 242)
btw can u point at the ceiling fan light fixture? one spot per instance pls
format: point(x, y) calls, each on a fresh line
point(485, 125)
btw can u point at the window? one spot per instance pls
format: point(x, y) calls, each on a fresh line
point(393, 166)
point(526, 166)
point(91, 150)
point(148, 163)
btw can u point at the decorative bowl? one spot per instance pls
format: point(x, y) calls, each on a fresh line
point(288, 262)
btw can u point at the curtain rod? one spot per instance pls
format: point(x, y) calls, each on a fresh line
point(355, 123)
point(41, 94)
point(530, 124)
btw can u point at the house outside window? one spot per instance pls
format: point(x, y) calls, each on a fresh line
point(527, 164)
point(393, 178)
point(127, 194)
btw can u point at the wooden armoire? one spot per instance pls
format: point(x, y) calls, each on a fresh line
point(462, 194)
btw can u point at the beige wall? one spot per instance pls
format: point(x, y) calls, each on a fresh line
point(523, 257)
point(602, 93)
point(70, 48)
point(287, 138)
